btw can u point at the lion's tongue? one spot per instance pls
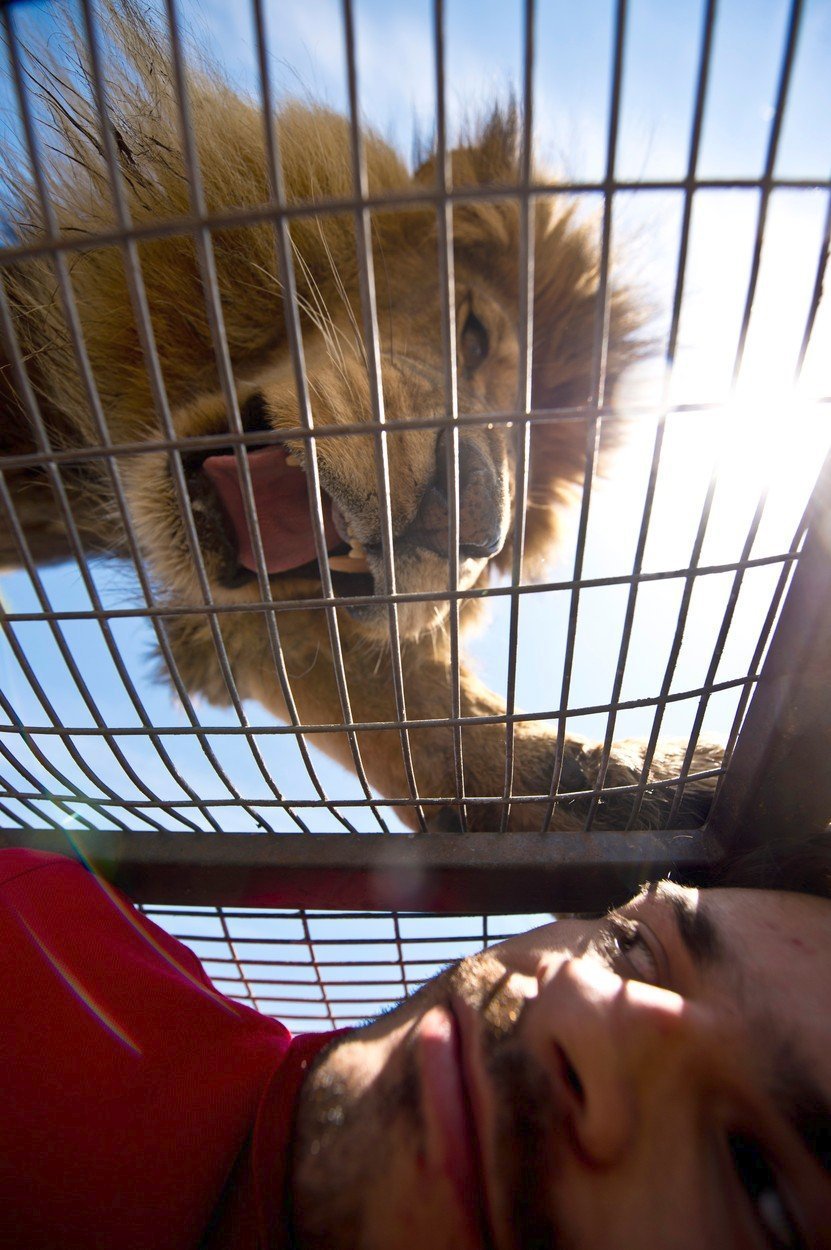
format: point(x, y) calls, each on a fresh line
point(282, 503)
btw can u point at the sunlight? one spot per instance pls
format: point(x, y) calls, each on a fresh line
point(763, 446)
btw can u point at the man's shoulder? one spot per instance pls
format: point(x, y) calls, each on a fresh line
point(19, 861)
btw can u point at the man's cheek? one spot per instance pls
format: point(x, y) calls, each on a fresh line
point(415, 1212)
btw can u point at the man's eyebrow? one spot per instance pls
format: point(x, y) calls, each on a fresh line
point(695, 928)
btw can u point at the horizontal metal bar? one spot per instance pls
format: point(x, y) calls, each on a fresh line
point(441, 873)
point(381, 982)
point(434, 421)
point(418, 198)
point(365, 961)
point(278, 730)
point(184, 912)
point(389, 800)
point(241, 943)
point(432, 596)
point(258, 439)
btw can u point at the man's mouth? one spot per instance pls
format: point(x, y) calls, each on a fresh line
point(453, 1148)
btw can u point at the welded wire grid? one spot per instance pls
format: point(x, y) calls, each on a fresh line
point(317, 970)
point(77, 771)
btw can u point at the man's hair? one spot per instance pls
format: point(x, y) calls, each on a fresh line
point(803, 866)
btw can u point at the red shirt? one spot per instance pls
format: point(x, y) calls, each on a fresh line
point(141, 1109)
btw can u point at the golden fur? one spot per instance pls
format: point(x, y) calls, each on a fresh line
point(315, 152)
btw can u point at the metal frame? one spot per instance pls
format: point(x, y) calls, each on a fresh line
point(764, 792)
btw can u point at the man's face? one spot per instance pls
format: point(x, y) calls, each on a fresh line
point(657, 1078)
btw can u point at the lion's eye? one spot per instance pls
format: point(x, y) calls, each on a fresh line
point(474, 342)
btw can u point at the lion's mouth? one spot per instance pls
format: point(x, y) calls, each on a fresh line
point(284, 539)
point(284, 521)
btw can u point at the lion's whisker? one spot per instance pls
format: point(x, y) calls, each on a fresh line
point(358, 344)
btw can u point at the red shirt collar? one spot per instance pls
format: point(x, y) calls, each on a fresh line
point(273, 1130)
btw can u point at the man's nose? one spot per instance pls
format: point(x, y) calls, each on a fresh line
point(613, 1048)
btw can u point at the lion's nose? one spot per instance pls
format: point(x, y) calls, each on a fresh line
point(482, 503)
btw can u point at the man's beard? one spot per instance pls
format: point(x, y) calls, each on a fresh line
point(344, 1139)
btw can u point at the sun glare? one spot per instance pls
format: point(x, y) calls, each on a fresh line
point(761, 453)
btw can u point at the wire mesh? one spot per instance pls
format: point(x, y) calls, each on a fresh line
point(87, 742)
point(317, 970)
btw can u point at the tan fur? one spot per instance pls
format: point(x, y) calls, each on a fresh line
point(315, 153)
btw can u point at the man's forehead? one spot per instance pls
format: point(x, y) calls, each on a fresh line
point(719, 925)
point(773, 911)
point(722, 900)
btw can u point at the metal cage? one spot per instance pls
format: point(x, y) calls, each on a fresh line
point(325, 926)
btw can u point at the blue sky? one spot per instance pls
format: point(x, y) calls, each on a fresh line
point(484, 52)
point(574, 46)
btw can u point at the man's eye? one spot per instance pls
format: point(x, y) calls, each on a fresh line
point(628, 950)
point(758, 1180)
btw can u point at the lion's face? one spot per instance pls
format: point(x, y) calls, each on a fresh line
point(409, 463)
point(350, 465)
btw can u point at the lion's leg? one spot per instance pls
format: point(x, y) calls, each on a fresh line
point(427, 681)
point(304, 641)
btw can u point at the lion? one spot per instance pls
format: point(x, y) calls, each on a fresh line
point(212, 523)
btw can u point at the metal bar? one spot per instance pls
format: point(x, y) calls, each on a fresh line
point(444, 873)
point(51, 768)
point(378, 999)
point(207, 442)
point(759, 652)
point(367, 726)
point(295, 340)
point(372, 345)
point(287, 913)
point(133, 272)
point(249, 996)
point(447, 292)
point(303, 917)
point(596, 397)
point(785, 72)
point(231, 218)
point(715, 659)
point(37, 688)
point(103, 731)
point(308, 943)
point(406, 984)
point(337, 963)
point(816, 294)
point(42, 441)
point(672, 345)
point(486, 592)
point(745, 555)
point(778, 787)
point(213, 309)
point(522, 433)
point(137, 805)
point(788, 56)
point(138, 297)
point(43, 796)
